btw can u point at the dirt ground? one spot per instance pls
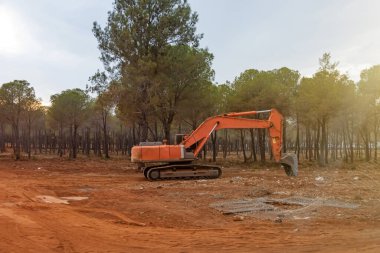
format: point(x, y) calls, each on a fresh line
point(122, 212)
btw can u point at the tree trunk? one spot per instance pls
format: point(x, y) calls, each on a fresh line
point(29, 130)
point(297, 138)
point(322, 158)
point(261, 140)
point(284, 136)
point(225, 144)
point(167, 132)
point(351, 140)
point(375, 138)
point(134, 133)
point(17, 141)
point(87, 141)
point(74, 146)
point(345, 145)
point(60, 145)
point(71, 142)
point(325, 125)
point(316, 142)
point(243, 145)
point(253, 148)
point(2, 138)
point(309, 143)
point(143, 124)
point(213, 141)
point(155, 131)
point(365, 137)
point(204, 151)
point(105, 135)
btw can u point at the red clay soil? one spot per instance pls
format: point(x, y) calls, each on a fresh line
point(126, 213)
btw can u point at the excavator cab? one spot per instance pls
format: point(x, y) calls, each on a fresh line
point(179, 138)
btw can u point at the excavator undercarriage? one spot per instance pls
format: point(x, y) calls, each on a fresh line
point(182, 171)
point(201, 171)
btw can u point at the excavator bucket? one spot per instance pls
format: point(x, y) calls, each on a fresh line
point(290, 163)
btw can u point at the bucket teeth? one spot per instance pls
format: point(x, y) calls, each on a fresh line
point(290, 163)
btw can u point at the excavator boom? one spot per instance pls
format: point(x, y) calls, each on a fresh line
point(233, 121)
point(178, 158)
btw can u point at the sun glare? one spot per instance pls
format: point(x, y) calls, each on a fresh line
point(10, 32)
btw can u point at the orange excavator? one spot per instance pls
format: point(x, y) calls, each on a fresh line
point(176, 161)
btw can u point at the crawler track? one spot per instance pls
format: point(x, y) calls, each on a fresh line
point(182, 171)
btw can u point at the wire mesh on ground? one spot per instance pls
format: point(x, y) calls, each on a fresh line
point(291, 207)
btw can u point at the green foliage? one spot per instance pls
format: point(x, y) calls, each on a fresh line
point(17, 102)
point(325, 94)
point(105, 91)
point(369, 103)
point(327, 113)
point(137, 32)
point(181, 74)
point(207, 100)
point(139, 39)
point(16, 98)
point(369, 84)
point(257, 90)
point(70, 107)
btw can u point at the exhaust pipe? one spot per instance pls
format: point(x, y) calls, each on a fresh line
point(289, 162)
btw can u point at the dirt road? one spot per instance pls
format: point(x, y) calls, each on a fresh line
point(115, 209)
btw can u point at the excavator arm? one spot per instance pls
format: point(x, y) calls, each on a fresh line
point(199, 137)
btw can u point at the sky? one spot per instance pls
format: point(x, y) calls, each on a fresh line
point(50, 43)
